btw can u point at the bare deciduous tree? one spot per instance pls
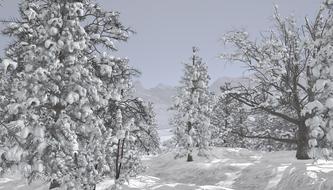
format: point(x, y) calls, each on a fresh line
point(279, 67)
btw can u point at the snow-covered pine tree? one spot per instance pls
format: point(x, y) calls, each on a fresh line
point(136, 137)
point(192, 106)
point(227, 115)
point(53, 86)
point(130, 127)
point(320, 77)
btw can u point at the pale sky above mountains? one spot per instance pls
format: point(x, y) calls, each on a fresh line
point(167, 30)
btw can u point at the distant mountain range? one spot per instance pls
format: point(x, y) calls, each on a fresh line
point(161, 97)
point(215, 86)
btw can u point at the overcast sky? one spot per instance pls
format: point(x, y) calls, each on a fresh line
point(167, 30)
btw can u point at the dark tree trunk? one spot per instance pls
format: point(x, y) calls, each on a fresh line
point(117, 160)
point(54, 184)
point(189, 154)
point(189, 157)
point(302, 142)
point(119, 156)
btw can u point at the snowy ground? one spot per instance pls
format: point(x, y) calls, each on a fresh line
point(225, 169)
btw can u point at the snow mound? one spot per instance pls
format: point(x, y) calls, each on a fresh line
point(309, 176)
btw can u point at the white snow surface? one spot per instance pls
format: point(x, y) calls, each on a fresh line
point(225, 169)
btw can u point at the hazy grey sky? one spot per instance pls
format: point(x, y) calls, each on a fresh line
point(167, 30)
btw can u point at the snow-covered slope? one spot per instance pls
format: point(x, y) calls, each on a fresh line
point(225, 169)
point(237, 169)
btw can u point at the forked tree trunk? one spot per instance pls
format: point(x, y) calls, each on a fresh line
point(302, 142)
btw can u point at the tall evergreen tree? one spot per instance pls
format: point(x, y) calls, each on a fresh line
point(320, 76)
point(192, 106)
point(56, 84)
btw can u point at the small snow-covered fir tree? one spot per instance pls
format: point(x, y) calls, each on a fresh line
point(130, 129)
point(227, 116)
point(56, 84)
point(192, 106)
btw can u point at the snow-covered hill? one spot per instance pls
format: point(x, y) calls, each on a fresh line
point(225, 169)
